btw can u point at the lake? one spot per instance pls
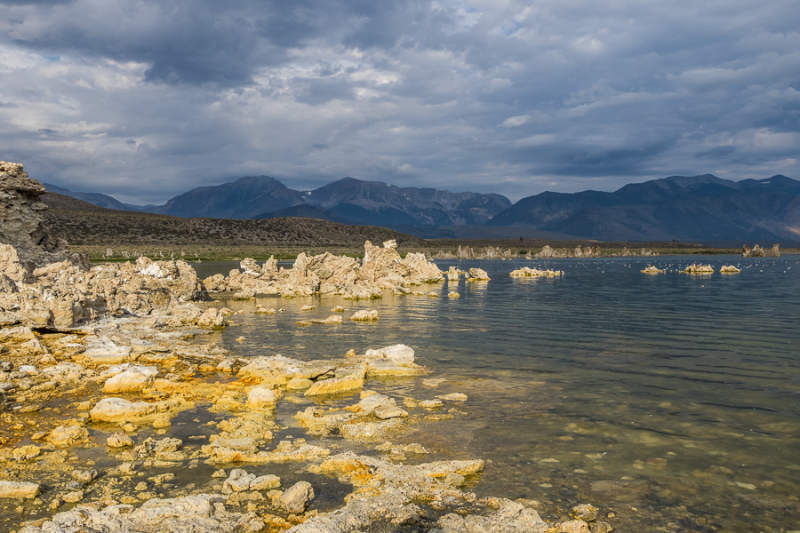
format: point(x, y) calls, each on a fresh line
point(669, 400)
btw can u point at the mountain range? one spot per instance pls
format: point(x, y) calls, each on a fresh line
point(704, 208)
point(701, 208)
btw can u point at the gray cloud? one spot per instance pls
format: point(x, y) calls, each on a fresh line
point(145, 99)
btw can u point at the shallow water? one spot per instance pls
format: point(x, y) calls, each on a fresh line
point(671, 400)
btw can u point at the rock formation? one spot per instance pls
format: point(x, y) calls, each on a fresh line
point(466, 252)
point(526, 272)
point(21, 222)
point(382, 268)
point(699, 269)
point(758, 251)
point(589, 251)
point(42, 285)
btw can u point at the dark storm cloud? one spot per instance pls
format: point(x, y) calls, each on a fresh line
point(146, 99)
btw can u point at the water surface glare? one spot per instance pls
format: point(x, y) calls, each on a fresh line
point(671, 400)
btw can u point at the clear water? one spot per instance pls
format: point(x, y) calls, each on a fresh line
point(671, 400)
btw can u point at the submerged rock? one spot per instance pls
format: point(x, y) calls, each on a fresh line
point(363, 315)
point(509, 517)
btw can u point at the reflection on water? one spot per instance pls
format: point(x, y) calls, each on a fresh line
point(671, 400)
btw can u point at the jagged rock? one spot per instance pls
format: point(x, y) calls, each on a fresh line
point(381, 269)
point(758, 251)
point(729, 269)
point(478, 274)
point(21, 221)
point(699, 269)
point(119, 440)
point(238, 481)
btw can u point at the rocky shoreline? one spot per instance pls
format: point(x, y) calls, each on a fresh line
point(101, 375)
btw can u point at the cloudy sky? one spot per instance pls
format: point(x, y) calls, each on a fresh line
point(145, 99)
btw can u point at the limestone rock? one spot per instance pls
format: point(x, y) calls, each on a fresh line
point(296, 498)
point(267, 482)
point(573, 526)
point(261, 397)
point(21, 221)
point(362, 315)
point(119, 440)
point(238, 481)
point(585, 512)
point(511, 517)
point(398, 354)
point(454, 397)
point(135, 378)
point(477, 274)
point(336, 385)
point(67, 435)
point(526, 272)
point(19, 489)
point(699, 269)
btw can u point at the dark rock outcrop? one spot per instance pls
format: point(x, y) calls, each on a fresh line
point(22, 223)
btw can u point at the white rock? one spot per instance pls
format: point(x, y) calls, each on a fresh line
point(238, 481)
point(265, 482)
point(19, 489)
point(135, 378)
point(296, 498)
point(261, 396)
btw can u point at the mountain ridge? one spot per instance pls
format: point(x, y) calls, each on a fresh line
point(701, 208)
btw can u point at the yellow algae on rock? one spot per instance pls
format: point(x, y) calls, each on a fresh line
point(337, 385)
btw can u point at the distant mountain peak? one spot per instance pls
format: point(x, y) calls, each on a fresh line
point(705, 208)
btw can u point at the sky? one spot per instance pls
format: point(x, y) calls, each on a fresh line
point(146, 99)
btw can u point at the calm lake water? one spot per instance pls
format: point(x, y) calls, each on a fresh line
point(671, 400)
